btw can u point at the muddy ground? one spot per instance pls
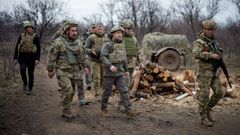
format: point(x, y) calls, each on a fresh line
point(40, 114)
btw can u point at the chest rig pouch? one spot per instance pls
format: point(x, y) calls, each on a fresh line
point(72, 52)
point(118, 54)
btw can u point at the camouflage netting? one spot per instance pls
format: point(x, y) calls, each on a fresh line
point(153, 42)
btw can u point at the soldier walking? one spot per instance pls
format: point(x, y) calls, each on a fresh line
point(113, 56)
point(27, 53)
point(131, 46)
point(93, 48)
point(66, 58)
point(207, 53)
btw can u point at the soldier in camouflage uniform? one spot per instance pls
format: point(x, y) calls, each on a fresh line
point(207, 52)
point(93, 47)
point(66, 57)
point(88, 75)
point(60, 30)
point(113, 56)
point(27, 52)
point(130, 42)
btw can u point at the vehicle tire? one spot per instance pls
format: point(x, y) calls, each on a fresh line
point(169, 59)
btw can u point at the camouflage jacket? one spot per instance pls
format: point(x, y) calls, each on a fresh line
point(203, 48)
point(66, 57)
point(114, 54)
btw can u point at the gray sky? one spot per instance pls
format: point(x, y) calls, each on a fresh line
point(82, 8)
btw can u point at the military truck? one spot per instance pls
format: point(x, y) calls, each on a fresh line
point(168, 50)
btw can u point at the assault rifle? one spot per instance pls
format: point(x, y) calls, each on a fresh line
point(219, 63)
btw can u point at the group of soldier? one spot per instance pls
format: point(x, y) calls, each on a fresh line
point(108, 60)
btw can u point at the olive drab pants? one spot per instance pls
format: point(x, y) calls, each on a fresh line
point(67, 90)
point(120, 83)
point(205, 82)
point(97, 73)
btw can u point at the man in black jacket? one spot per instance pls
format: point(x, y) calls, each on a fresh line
point(27, 53)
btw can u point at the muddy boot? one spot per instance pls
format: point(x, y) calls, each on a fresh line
point(83, 102)
point(104, 113)
point(67, 115)
point(209, 117)
point(24, 87)
point(131, 113)
point(120, 107)
point(205, 122)
point(29, 92)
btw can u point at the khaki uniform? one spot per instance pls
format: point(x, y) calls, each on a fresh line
point(66, 57)
point(96, 42)
point(203, 48)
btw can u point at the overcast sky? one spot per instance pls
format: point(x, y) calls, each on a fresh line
point(83, 8)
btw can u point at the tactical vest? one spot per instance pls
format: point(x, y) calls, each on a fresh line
point(130, 45)
point(72, 53)
point(98, 43)
point(118, 54)
point(26, 45)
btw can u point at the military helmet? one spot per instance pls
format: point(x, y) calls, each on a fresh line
point(69, 24)
point(28, 24)
point(209, 24)
point(117, 28)
point(127, 23)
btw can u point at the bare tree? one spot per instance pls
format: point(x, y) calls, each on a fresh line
point(237, 4)
point(193, 12)
point(43, 12)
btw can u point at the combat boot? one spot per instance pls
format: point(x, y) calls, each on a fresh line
point(131, 113)
point(24, 87)
point(104, 113)
point(68, 115)
point(209, 117)
point(206, 123)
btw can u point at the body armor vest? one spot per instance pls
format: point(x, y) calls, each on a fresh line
point(130, 45)
point(72, 53)
point(118, 55)
point(98, 43)
point(26, 44)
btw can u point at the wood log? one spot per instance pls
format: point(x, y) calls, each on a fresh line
point(156, 70)
point(188, 75)
point(164, 85)
point(136, 81)
point(148, 77)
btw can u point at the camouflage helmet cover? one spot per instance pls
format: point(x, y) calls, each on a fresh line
point(127, 23)
point(117, 28)
point(69, 24)
point(209, 24)
point(28, 24)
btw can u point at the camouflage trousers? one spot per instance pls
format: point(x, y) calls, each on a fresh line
point(120, 83)
point(131, 64)
point(206, 103)
point(67, 90)
point(97, 73)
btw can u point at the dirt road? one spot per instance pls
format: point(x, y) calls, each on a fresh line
point(40, 114)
